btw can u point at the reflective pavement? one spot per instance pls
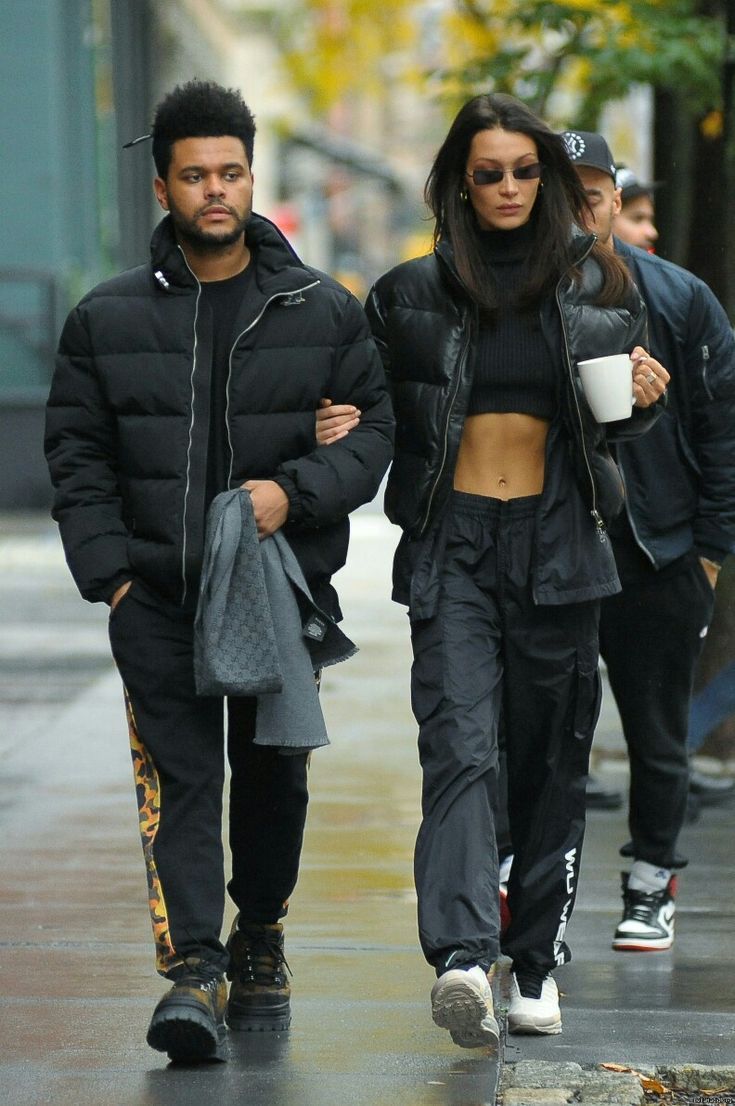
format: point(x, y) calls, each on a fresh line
point(77, 984)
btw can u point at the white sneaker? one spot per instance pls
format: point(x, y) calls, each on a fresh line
point(462, 1002)
point(527, 1014)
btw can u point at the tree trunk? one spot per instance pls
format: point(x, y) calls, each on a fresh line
point(707, 253)
point(672, 165)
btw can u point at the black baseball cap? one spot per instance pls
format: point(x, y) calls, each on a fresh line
point(589, 148)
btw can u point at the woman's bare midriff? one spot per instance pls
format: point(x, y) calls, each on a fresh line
point(502, 455)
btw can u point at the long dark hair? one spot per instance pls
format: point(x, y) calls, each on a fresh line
point(558, 207)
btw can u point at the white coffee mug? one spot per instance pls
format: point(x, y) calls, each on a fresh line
point(607, 383)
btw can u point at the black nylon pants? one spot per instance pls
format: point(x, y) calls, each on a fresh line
point(177, 742)
point(666, 615)
point(490, 649)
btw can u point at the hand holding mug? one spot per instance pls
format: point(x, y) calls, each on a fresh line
point(650, 378)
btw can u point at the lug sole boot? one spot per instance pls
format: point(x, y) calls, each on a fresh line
point(189, 1021)
point(260, 995)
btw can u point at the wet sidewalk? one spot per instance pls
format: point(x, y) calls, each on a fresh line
point(77, 984)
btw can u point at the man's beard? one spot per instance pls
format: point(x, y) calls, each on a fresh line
point(208, 241)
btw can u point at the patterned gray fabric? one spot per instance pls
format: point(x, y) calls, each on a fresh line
point(257, 630)
point(235, 651)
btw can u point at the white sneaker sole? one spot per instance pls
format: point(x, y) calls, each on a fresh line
point(524, 1023)
point(457, 1006)
point(642, 944)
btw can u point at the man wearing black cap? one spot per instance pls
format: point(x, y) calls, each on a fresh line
point(677, 527)
point(634, 223)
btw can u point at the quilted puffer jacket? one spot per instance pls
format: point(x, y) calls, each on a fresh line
point(425, 323)
point(128, 417)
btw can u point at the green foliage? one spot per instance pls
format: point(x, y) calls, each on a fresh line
point(593, 49)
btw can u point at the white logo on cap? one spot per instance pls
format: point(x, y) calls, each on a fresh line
point(575, 144)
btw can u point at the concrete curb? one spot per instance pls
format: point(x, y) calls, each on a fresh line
point(699, 1077)
point(543, 1083)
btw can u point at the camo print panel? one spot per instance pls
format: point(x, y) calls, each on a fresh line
point(148, 794)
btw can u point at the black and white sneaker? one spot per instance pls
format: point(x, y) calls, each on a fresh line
point(647, 924)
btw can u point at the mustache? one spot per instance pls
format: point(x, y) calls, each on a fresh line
point(217, 207)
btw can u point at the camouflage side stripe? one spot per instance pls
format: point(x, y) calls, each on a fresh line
point(148, 793)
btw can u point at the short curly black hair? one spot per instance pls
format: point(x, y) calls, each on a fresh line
point(200, 109)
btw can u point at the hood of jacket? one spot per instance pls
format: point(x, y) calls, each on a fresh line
point(276, 257)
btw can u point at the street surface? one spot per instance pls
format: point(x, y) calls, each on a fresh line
point(77, 983)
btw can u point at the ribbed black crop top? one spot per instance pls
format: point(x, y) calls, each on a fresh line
point(513, 369)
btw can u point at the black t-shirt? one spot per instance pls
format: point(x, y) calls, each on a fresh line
point(222, 298)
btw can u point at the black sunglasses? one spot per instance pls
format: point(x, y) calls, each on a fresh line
point(495, 176)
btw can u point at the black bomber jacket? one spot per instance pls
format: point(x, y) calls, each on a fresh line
point(424, 324)
point(680, 478)
point(128, 417)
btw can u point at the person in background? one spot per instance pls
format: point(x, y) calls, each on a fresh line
point(712, 706)
point(634, 222)
point(677, 527)
point(196, 373)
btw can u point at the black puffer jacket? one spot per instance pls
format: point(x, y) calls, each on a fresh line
point(680, 478)
point(128, 416)
point(425, 324)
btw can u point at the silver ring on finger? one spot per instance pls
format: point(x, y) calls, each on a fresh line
point(650, 378)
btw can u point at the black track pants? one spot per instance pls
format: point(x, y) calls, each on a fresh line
point(177, 741)
point(488, 649)
point(651, 636)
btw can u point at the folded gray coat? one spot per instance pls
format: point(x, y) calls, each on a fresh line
point(257, 630)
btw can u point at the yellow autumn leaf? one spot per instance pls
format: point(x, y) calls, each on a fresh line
point(712, 125)
point(653, 1086)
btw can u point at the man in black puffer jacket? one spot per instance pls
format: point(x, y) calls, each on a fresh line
point(175, 381)
point(677, 527)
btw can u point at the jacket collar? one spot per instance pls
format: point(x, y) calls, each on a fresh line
point(277, 265)
point(581, 244)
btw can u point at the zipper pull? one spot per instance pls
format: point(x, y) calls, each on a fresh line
point(705, 370)
point(599, 525)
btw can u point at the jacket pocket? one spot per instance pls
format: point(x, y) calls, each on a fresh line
point(588, 693)
point(114, 611)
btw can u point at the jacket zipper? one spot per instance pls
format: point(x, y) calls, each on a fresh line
point(248, 328)
point(461, 363)
point(705, 370)
point(629, 516)
point(277, 295)
point(596, 516)
point(191, 434)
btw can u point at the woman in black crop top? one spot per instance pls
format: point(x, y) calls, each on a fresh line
point(503, 484)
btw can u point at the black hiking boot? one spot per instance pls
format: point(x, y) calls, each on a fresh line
point(189, 1021)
